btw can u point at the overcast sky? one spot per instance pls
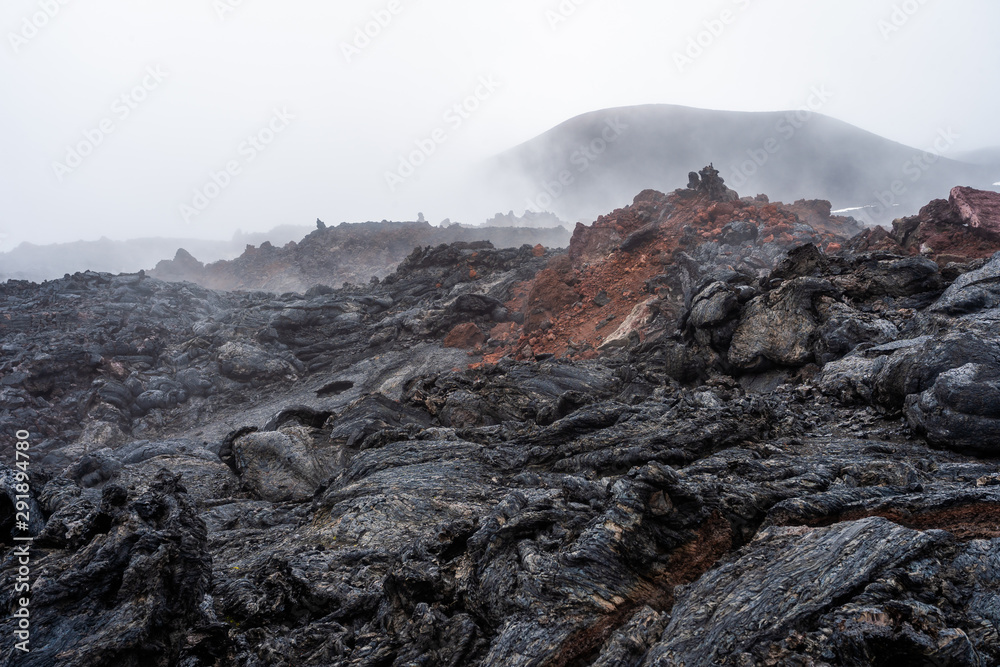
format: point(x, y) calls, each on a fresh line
point(183, 86)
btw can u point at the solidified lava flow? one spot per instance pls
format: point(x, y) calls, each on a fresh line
point(714, 430)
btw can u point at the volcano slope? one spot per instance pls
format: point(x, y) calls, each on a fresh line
point(709, 433)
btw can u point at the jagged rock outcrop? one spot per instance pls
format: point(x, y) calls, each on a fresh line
point(708, 182)
point(961, 409)
point(650, 259)
point(346, 253)
point(781, 326)
point(964, 227)
point(979, 209)
point(941, 369)
point(130, 588)
point(534, 219)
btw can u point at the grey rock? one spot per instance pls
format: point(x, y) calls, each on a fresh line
point(713, 306)
point(914, 370)
point(738, 233)
point(282, 465)
point(972, 292)
point(17, 495)
point(961, 410)
point(846, 328)
point(244, 362)
point(783, 578)
point(780, 327)
point(129, 592)
point(370, 498)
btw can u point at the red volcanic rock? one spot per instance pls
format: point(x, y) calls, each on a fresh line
point(585, 298)
point(964, 227)
point(465, 336)
point(977, 208)
point(718, 211)
point(505, 332)
point(596, 242)
point(592, 243)
point(875, 239)
point(616, 275)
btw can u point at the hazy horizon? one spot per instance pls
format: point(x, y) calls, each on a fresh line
point(203, 117)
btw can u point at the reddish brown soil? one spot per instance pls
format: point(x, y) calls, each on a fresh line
point(465, 336)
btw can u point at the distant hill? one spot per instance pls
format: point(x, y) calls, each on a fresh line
point(603, 158)
point(38, 263)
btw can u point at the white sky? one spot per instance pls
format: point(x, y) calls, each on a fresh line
point(352, 120)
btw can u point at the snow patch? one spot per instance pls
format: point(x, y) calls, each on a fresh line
point(858, 208)
point(848, 210)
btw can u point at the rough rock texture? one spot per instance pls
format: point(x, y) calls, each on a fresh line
point(649, 258)
point(979, 209)
point(977, 290)
point(960, 409)
point(942, 371)
point(780, 580)
point(283, 465)
point(782, 459)
point(129, 588)
point(781, 326)
point(963, 227)
point(709, 183)
point(466, 336)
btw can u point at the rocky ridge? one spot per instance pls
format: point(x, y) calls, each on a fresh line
point(784, 456)
point(641, 262)
point(963, 227)
point(348, 253)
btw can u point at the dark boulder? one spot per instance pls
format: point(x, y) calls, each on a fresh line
point(961, 410)
point(915, 369)
point(780, 327)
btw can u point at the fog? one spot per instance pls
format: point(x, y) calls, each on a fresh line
point(197, 118)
